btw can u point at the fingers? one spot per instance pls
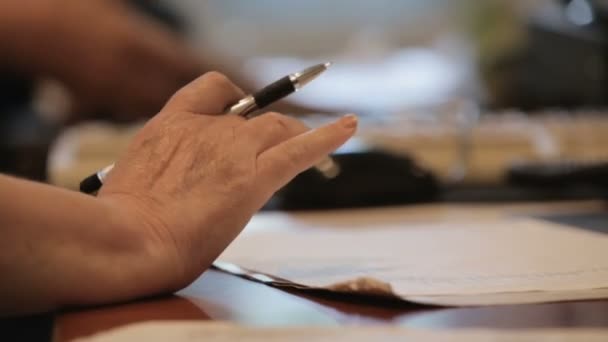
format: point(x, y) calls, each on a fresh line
point(284, 161)
point(211, 93)
point(270, 129)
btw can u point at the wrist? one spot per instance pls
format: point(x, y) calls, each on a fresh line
point(122, 261)
point(152, 255)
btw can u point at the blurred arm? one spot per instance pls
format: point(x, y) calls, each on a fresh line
point(20, 28)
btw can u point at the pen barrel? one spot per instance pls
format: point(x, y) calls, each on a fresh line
point(328, 167)
point(91, 184)
point(274, 92)
point(243, 107)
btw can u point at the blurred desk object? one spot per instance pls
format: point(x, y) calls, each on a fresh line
point(562, 61)
point(222, 297)
point(471, 155)
point(478, 152)
point(468, 261)
point(25, 137)
point(494, 141)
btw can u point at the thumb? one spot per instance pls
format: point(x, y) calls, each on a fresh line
point(211, 93)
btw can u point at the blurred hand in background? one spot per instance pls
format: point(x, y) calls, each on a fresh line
point(112, 59)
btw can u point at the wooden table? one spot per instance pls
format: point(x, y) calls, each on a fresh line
point(219, 296)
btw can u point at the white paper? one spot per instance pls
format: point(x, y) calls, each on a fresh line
point(494, 258)
point(220, 332)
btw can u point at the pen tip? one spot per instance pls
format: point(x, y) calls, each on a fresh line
point(327, 64)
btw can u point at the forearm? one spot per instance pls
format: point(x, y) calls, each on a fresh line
point(59, 248)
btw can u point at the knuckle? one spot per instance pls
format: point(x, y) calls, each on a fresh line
point(279, 121)
point(233, 121)
point(217, 78)
point(274, 115)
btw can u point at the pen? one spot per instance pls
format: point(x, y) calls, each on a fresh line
point(247, 107)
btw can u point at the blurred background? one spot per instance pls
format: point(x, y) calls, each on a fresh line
point(459, 100)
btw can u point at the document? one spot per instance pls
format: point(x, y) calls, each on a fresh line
point(221, 332)
point(485, 263)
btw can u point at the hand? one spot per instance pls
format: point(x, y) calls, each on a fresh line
point(112, 59)
point(191, 179)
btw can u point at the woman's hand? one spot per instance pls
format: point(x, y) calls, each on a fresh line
point(192, 178)
point(185, 188)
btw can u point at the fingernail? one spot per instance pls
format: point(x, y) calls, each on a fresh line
point(349, 121)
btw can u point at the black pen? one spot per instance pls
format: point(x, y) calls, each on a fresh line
point(247, 108)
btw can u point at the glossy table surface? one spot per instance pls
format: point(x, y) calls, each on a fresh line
point(220, 296)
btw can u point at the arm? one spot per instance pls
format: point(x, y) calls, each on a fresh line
point(62, 248)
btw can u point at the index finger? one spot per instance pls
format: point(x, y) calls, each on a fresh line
point(280, 164)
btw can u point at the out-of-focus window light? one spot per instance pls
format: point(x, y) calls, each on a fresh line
point(390, 55)
point(306, 28)
point(579, 12)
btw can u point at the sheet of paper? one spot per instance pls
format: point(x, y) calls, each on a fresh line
point(220, 332)
point(507, 261)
